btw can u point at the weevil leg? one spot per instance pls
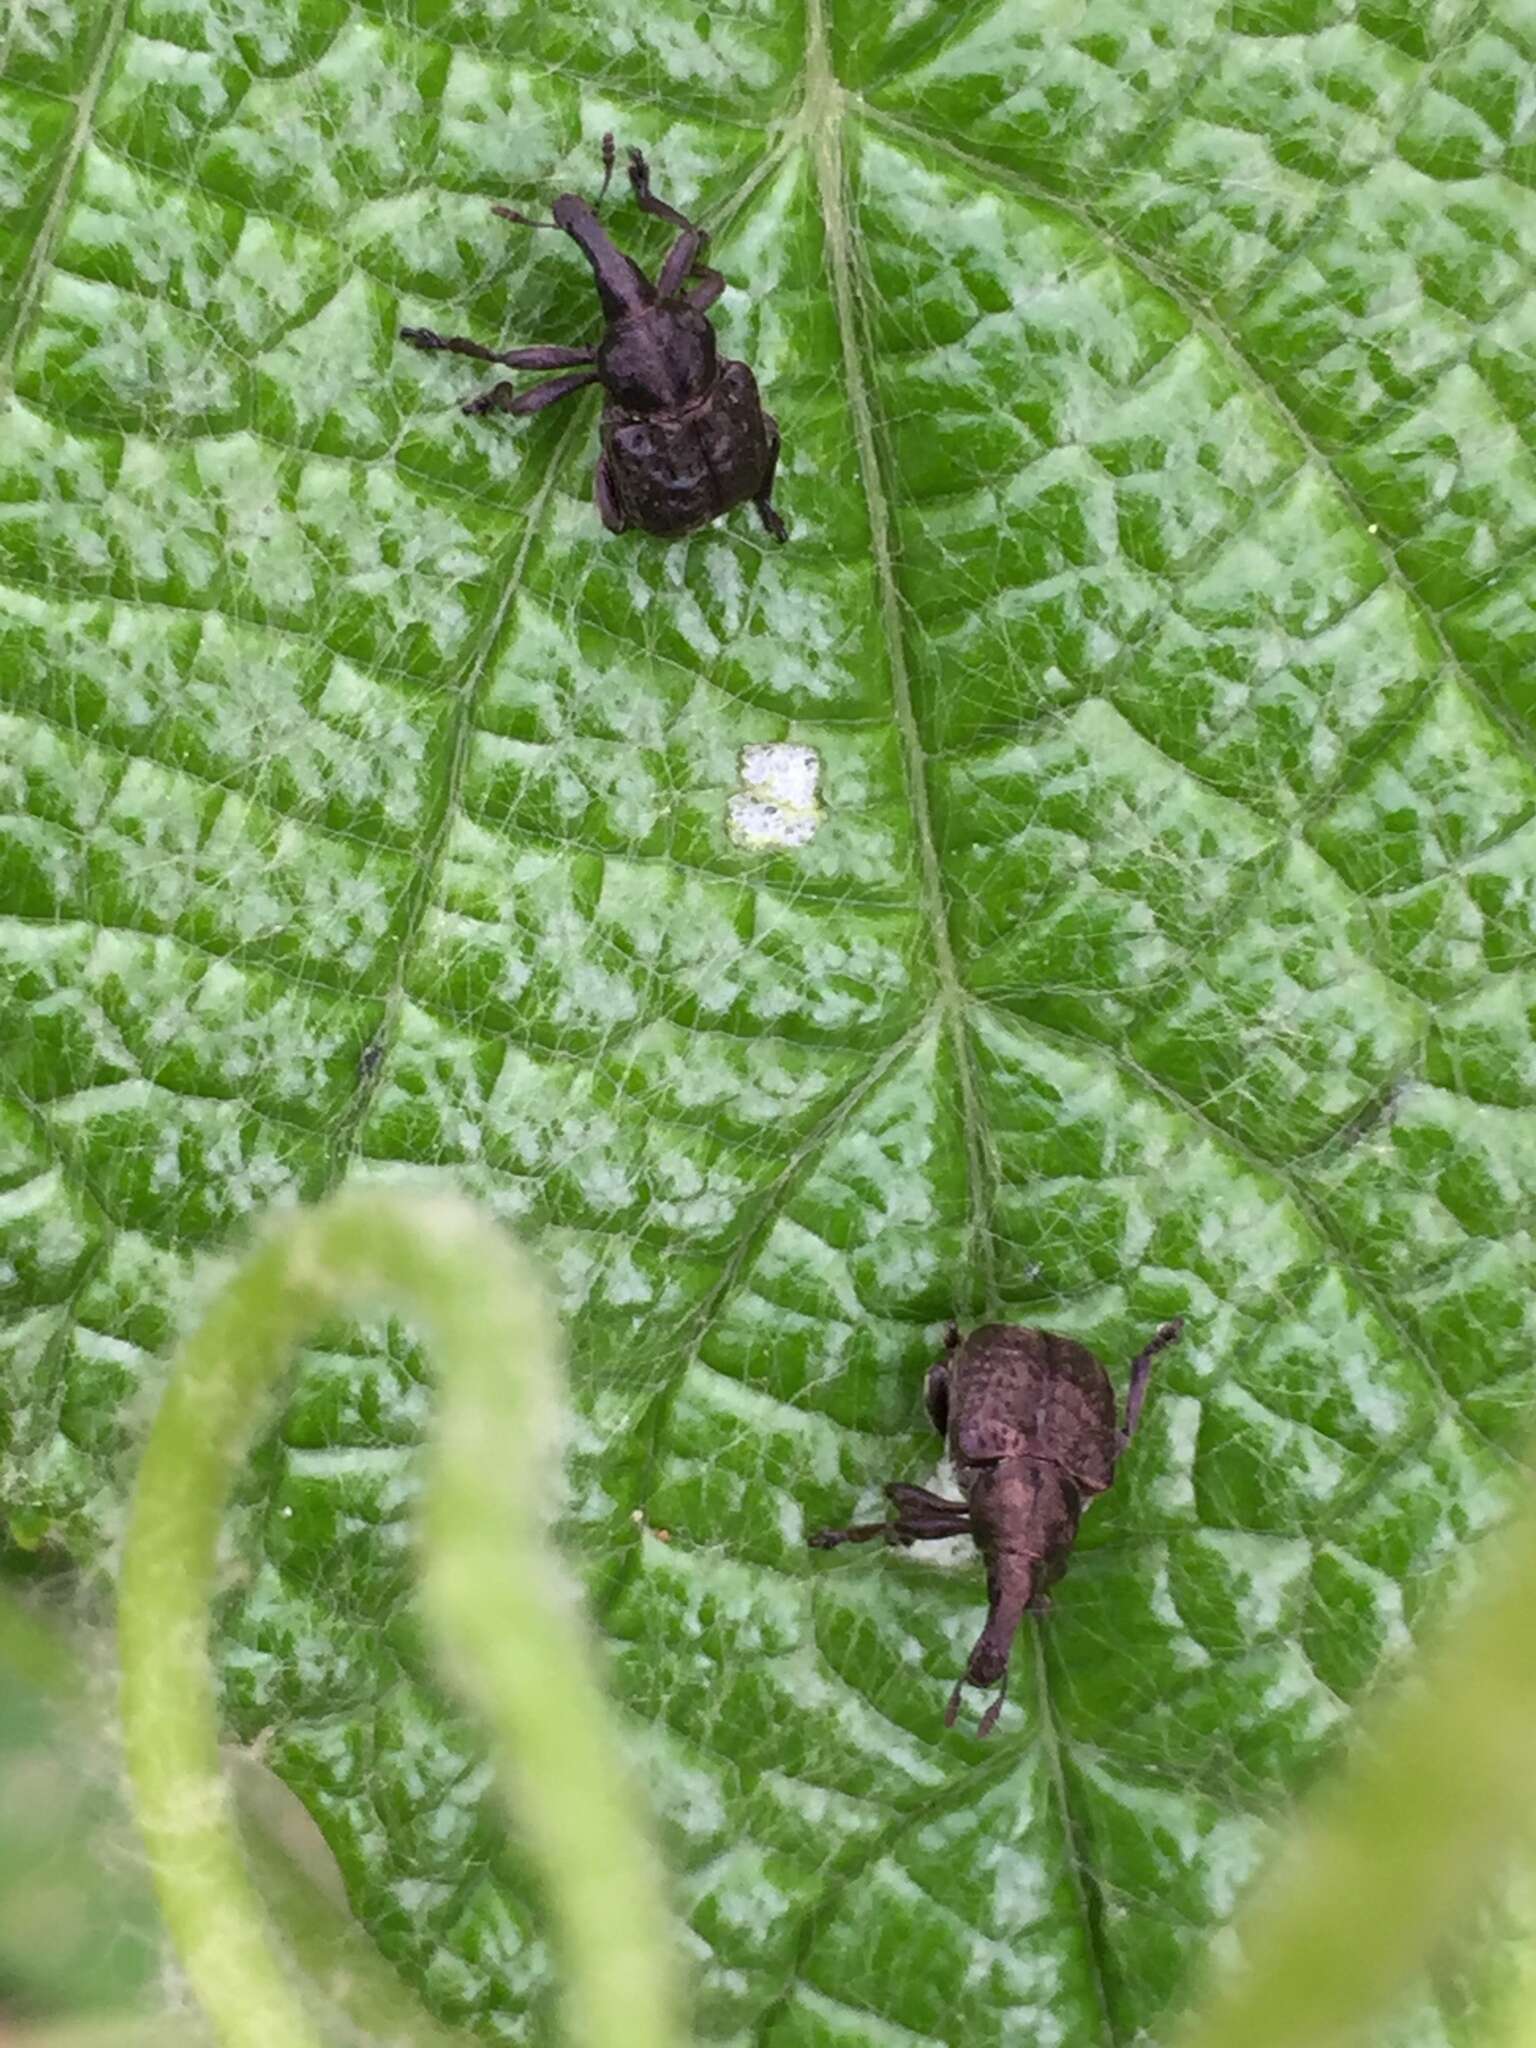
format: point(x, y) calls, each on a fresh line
point(922, 1525)
point(988, 1720)
point(608, 154)
point(704, 294)
point(682, 260)
point(686, 256)
point(918, 1527)
point(498, 399)
point(771, 520)
point(919, 1498)
point(546, 356)
point(646, 200)
point(936, 1397)
point(921, 1517)
point(861, 1532)
point(506, 398)
point(1141, 1368)
point(610, 511)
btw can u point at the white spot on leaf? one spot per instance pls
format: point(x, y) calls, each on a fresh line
point(776, 805)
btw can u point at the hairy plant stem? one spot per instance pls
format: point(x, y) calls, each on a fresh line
point(506, 1616)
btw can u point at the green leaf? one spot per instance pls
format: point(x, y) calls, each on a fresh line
point(1159, 609)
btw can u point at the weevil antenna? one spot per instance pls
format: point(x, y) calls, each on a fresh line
point(526, 220)
point(988, 1720)
point(608, 154)
point(1141, 1368)
point(522, 220)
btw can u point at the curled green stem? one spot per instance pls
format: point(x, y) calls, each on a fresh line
point(505, 1614)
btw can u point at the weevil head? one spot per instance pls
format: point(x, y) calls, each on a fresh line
point(988, 1661)
point(988, 1666)
point(1012, 1579)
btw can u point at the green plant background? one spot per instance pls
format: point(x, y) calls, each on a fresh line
point(1161, 603)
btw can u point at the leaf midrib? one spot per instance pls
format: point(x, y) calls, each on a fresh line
point(41, 258)
point(825, 103)
point(823, 116)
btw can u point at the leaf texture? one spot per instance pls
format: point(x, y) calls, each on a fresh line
point(1158, 453)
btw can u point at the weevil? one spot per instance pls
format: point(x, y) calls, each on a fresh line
point(1029, 1421)
point(684, 434)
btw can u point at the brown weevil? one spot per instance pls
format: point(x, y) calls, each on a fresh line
point(1029, 1421)
point(684, 433)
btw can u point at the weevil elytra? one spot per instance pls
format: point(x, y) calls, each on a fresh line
point(1029, 1421)
point(684, 433)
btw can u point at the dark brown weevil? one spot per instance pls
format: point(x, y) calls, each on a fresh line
point(1029, 1421)
point(684, 433)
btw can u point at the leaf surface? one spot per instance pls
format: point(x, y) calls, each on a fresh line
point(1159, 605)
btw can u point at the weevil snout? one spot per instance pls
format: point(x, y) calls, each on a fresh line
point(995, 1672)
point(987, 1664)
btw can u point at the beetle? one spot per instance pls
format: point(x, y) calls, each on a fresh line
point(684, 433)
point(1029, 1421)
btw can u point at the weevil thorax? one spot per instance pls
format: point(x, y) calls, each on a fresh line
point(1023, 1510)
point(1015, 1392)
point(658, 360)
